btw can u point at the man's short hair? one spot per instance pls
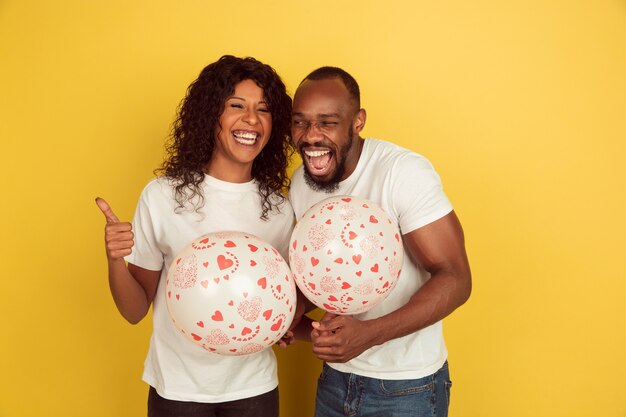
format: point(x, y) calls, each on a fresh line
point(325, 73)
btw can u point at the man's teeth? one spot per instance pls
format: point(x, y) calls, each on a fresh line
point(313, 154)
point(245, 138)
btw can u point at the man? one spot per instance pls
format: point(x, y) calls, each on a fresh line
point(390, 360)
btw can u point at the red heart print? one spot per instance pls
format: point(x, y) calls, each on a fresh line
point(312, 285)
point(314, 261)
point(205, 264)
point(346, 285)
point(229, 244)
point(245, 331)
point(196, 337)
point(352, 235)
point(205, 240)
point(249, 310)
point(262, 283)
point(359, 273)
point(253, 248)
point(347, 200)
point(373, 219)
point(224, 263)
point(304, 248)
point(231, 303)
point(205, 283)
point(252, 263)
point(295, 244)
point(178, 296)
point(374, 268)
point(329, 307)
point(217, 316)
point(276, 326)
point(332, 298)
point(329, 221)
point(356, 259)
point(267, 314)
point(200, 323)
point(339, 260)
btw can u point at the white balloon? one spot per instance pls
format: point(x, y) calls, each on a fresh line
point(346, 254)
point(231, 293)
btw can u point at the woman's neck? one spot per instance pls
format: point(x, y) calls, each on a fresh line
point(229, 172)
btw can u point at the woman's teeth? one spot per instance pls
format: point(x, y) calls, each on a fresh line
point(246, 138)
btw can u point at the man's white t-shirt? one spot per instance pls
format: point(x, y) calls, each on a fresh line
point(177, 368)
point(407, 187)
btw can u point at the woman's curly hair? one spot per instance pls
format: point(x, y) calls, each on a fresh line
point(193, 139)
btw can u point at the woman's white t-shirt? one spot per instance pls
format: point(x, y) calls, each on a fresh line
point(177, 368)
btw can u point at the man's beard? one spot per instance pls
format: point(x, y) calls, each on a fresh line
point(331, 185)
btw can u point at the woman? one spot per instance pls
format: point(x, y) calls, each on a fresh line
point(225, 170)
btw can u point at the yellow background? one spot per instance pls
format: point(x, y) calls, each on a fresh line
point(520, 105)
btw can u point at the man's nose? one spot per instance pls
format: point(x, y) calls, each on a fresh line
point(313, 132)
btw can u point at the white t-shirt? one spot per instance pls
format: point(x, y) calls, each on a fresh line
point(407, 187)
point(175, 367)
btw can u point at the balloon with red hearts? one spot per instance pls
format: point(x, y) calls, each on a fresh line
point(231, 293)
point(346, 254)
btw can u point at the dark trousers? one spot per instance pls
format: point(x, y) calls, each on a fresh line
point(264, 405)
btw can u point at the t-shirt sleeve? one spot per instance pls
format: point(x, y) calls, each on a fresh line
point(146, 253)
point(419, 198)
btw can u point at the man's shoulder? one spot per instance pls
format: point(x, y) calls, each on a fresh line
point(392, 155)
point(297, 178)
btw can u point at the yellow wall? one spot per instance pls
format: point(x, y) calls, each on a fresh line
point(520, 105)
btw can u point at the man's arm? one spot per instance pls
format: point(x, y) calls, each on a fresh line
point(440, 248)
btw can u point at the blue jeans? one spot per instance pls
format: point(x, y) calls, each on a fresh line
point(349, 395)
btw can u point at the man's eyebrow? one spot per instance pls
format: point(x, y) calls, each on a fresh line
point(319, 116)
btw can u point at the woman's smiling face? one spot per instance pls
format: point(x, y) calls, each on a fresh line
point(245, 126)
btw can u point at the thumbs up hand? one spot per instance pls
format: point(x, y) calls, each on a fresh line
point(118, 236)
